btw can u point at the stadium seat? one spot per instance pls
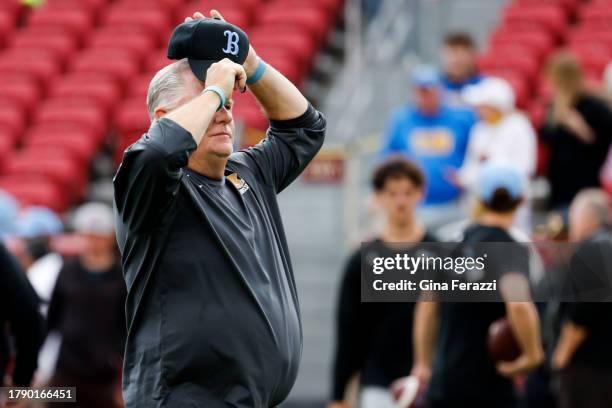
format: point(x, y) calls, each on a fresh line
point(587, 35)
point(132, 121)
point(156, 22)
point(32, 190)
point(90, 6)
point(156, 61)
point(516, 49)
point(500, 63)
point(310, 19)
point(299, 46)
point(6, 28)
point(550, 18)
point(63, 128)
point(597, 17)
point(79, 22)
point(331, 7)
point(11, 8)
point(592, 64)
point(122, 69)
point(42, 71)
point(140, 86)
point(25, 94)
point(138, 44)
point(236, 15)
point(539, 40)
point(104, 94)
point(82, 149)
point(74, 102)
point(6, 148)
point(62, 45)
point(569, 6)
point(285, 63)
point(12, 118)
point(58, 168)
point(79, 117)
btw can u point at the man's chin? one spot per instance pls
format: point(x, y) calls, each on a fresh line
point(223, 151)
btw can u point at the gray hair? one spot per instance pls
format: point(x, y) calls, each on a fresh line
point(165, 87)
point(597, 202)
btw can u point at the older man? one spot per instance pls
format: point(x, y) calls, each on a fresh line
point(212, 309)
point(583, 353)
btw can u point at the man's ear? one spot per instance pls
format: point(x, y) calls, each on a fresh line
point(160, 113)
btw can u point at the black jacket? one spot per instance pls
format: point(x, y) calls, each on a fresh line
point(19, 312)
point(212, 311)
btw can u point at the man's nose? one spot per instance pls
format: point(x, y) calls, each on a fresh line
point(223, 115)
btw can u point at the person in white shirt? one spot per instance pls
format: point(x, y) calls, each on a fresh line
point(502, 135)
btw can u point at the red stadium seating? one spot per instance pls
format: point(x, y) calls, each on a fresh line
point(12, 118)
point(499, 63)
point(11, 8)
point(139, 45)
point(310, 19)
point(25, 94)
point(81, 148)
point(550, 18)
point(79, 117)
point(90, 6)
point(236, 15)
point(31, 190)
point(58, 168)
point(104, 94)
point(65, 67)
point(6, 28)
point(156, 22)
point(156, 61)
point(103, 62)
point(569, 6)
point(132, 120)
point(59, 128)
point(78, 22)
point(299, 46)
point(6, 148)
point(140, 86)
point(62, 45)
point(538, 40)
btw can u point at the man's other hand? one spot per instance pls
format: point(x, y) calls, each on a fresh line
point(252, 60)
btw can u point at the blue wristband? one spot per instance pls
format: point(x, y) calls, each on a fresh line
point(218, 91)
point(261, 68)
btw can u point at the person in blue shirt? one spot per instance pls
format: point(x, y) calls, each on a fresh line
point(458, 57)
point(431, 134)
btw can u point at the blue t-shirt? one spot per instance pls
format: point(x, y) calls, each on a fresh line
point(435, 142)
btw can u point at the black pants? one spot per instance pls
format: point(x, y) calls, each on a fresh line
point(585, 387)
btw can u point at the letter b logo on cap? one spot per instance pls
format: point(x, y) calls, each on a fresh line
point(232, 42)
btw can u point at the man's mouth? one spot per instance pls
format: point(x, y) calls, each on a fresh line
point(221, 134)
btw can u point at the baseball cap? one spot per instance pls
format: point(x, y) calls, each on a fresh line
point(38, 222)
point(94, 219)
point(491, 91)
point(206, 41)
point(425, 76)
point(494, 176)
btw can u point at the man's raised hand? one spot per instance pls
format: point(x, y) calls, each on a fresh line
point(227, 75)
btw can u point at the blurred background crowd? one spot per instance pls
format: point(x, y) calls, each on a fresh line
point(451, 85)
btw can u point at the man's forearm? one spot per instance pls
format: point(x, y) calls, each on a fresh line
point(572, 336)
point(426, 322)
point(523, 319)
point(196, 115)
point(280, 99)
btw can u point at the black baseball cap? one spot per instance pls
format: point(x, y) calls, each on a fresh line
point(206, 41)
